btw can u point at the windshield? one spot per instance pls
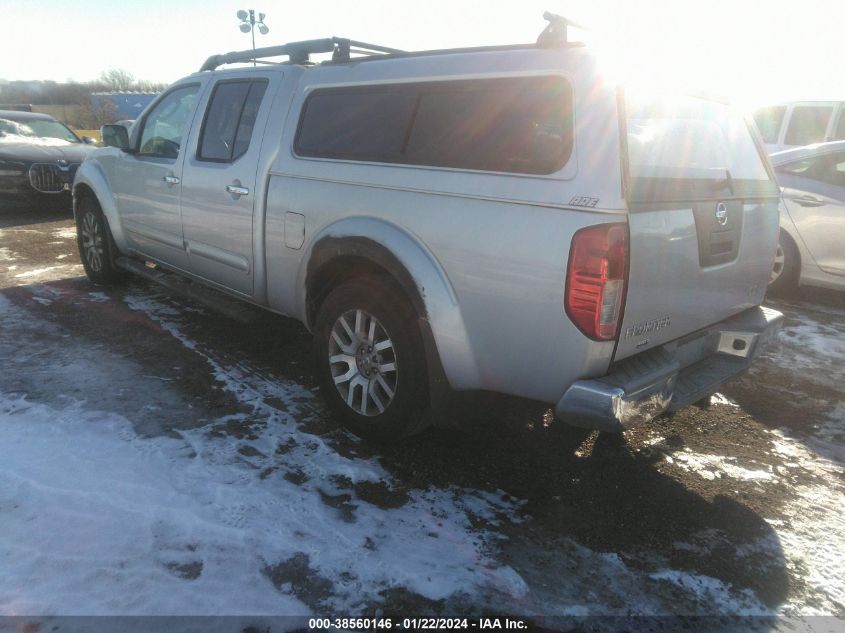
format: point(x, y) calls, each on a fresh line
point(43, 128)
point(689, 147)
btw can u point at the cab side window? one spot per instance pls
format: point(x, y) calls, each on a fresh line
point(229, 120)
point(164, 127)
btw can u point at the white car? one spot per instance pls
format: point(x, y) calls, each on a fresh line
point(811, 249)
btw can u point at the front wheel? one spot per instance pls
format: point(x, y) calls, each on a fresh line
point(370, 360)
point(95, 243)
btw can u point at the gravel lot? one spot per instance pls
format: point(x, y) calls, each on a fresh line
point(159, 458)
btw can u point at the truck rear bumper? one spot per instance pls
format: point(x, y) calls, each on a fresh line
point(669, 377)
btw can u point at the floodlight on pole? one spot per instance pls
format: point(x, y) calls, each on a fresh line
point(248, 24)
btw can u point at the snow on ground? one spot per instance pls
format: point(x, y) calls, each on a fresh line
point(46, 273)
point(716, 466)
point(813, 534)
point(198, 525)
point(812, 342)
point(192, 526)
point(65, 233)
point(189, 526)
point(718, 398)
point(98, 519)
point(811, 527)
point(7, 255)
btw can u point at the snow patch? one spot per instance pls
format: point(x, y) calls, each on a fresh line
point(48, 273)
point(66, 233)
point(717, 466)
point(813, 540)
point(723, 596)
point(718, 398)
point(813, 534)
point(802, 457)
point(35, 272)
point(7, 255)
point(816, 349)
point(98, 520)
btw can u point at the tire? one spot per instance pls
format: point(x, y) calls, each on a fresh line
point(787, 267)
point(370, 360)
point(95, 243)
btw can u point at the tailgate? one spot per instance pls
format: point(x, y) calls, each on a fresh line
point(687, 271)
point(703, 220)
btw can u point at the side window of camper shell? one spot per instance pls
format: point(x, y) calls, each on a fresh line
point(511, 124)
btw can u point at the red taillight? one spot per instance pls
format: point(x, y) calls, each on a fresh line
point(595, 279)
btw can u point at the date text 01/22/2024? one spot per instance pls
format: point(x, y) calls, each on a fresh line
point(416, 624)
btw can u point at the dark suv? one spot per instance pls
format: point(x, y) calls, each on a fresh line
point(38, 158)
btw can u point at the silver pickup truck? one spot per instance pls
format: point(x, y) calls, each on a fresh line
point(499, 218)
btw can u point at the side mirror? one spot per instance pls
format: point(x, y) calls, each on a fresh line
point(115, 136)
point(88, 140)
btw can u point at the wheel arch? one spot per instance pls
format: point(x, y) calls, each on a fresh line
point(90, 180)
point(797, 245)
point(371, 246)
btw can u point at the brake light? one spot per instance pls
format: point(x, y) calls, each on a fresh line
point(595, 279)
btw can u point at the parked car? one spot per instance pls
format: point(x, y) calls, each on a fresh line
point(798, 123)
point(470, 219)
point(811, 249)
point(38, 158)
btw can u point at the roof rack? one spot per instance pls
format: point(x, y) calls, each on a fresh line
point(300, 52)
point(556, 32)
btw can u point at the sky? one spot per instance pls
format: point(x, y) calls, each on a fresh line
point(753, 51)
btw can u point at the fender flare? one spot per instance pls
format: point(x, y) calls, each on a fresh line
point(417, 270)
point(90, 176)
point(787, 225)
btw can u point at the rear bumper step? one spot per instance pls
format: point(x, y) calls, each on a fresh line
point(669, 377)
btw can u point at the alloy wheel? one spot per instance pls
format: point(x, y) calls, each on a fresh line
point(92, 241)
point(777, 268)
point(363, 363)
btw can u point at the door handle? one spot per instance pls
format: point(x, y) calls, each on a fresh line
point(809, 201)
point(172, 180)
point(237, 191)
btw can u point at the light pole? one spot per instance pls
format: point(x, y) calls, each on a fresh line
point(248, 24)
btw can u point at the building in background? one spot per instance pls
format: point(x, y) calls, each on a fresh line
point(128, 105)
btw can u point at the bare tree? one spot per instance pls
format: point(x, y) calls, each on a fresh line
point(95, 114)
point(117, 79)
point(145, 85)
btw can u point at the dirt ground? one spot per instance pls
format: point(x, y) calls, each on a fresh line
point(731, 509)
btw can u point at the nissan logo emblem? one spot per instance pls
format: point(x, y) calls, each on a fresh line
point(722, 213)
